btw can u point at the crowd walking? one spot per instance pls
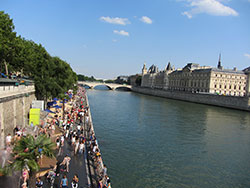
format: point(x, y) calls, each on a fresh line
point(76, 135)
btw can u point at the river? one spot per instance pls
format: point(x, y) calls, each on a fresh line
point(153, 142)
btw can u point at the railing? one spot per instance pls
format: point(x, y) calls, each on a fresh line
point(10, 90)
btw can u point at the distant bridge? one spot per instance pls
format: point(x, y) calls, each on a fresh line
point(111, 86)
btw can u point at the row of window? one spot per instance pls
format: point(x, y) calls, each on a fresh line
point(230, 81)
point(235, 87)
point(197, 83)
point(228, 76)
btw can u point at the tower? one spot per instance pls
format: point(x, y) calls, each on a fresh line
point(219, 62)
point(144, 69)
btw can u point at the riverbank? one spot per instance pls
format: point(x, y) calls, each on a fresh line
point(96, 170)
point(240, 103)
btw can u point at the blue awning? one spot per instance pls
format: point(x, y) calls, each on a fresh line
point(47, 110)
point(50, 103)
point(56, 106)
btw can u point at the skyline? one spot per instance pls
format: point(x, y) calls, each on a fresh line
point(108, 39)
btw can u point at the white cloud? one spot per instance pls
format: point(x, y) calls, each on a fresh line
point(146, 20)
point(247, 55)
point(211, 7)
point(122, 32)
point(114, 40)
point(116, 20)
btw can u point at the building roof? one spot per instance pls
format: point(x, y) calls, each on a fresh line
point(247, 69)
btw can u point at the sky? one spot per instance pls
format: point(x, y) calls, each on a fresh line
point(108, 38)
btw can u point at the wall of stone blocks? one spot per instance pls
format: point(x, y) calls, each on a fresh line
point(242, 103)
point(14, 111)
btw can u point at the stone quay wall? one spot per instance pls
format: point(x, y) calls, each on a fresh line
point(240, 103)
point(14, 110)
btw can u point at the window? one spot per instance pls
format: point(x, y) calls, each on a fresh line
point(215, 86)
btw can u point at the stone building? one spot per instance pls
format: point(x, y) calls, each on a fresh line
point(154, 78)
point(199, 79)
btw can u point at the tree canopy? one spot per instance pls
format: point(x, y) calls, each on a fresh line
point(52, 76)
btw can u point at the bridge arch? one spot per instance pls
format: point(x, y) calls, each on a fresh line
point(110, 88)
point(123, 88)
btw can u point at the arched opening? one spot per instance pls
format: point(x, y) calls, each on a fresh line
point(122, 88)
point(86, 86)
point(102, 87)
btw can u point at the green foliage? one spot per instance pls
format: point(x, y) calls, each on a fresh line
point(89, 79)
point(26, 153)
point(109, 81)
point(7, 39)
point(52, 75)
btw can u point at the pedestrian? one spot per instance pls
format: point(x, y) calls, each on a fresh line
point(100, 183)
point(62, 140)
point(64, 182)
point(73, 140)
point(65, 162)
point(4, 156)
point(25, 174)
point(81, 147)
point(104, 171)
point(75, 181)
point(57, 142)
point(53, 129)
point(76, 146)
point(8, 140)
point(39, 183)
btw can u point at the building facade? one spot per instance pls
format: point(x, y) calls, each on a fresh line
point(199, 79)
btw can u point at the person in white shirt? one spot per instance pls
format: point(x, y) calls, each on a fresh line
point(8, 140)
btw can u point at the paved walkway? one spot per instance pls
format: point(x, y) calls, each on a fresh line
point(77, 166)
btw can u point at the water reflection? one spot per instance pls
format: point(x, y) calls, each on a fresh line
point(154, 142)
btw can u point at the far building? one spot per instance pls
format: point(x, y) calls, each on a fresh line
point(199, 79)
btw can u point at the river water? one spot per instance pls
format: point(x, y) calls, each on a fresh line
point(156, 143)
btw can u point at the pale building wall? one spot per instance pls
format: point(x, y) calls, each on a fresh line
point(228, 83)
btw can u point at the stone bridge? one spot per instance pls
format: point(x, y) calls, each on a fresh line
point(111, 86)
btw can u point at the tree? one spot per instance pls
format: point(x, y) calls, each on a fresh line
point(7, 40)
point(27, 152)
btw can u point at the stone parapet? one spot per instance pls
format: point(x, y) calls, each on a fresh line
point(235, 102)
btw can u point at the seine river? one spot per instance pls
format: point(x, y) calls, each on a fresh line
point(156, 143)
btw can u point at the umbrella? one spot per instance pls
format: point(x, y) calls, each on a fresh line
point(56, 106)
point(50, 103)
point(55, 99)
point(47, 110)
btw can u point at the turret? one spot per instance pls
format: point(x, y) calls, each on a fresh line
point(144, 69)
point(219, 63)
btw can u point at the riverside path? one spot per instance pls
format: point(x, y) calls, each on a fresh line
point(77, 166)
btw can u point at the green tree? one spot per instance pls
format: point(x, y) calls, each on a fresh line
point(7, 40)
point(27, 152)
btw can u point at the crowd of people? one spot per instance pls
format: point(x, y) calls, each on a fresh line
point(71, 124)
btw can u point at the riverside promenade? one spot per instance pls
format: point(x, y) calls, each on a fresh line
point(88, 166)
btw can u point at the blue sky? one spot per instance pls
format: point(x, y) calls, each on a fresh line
point(108, 38)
